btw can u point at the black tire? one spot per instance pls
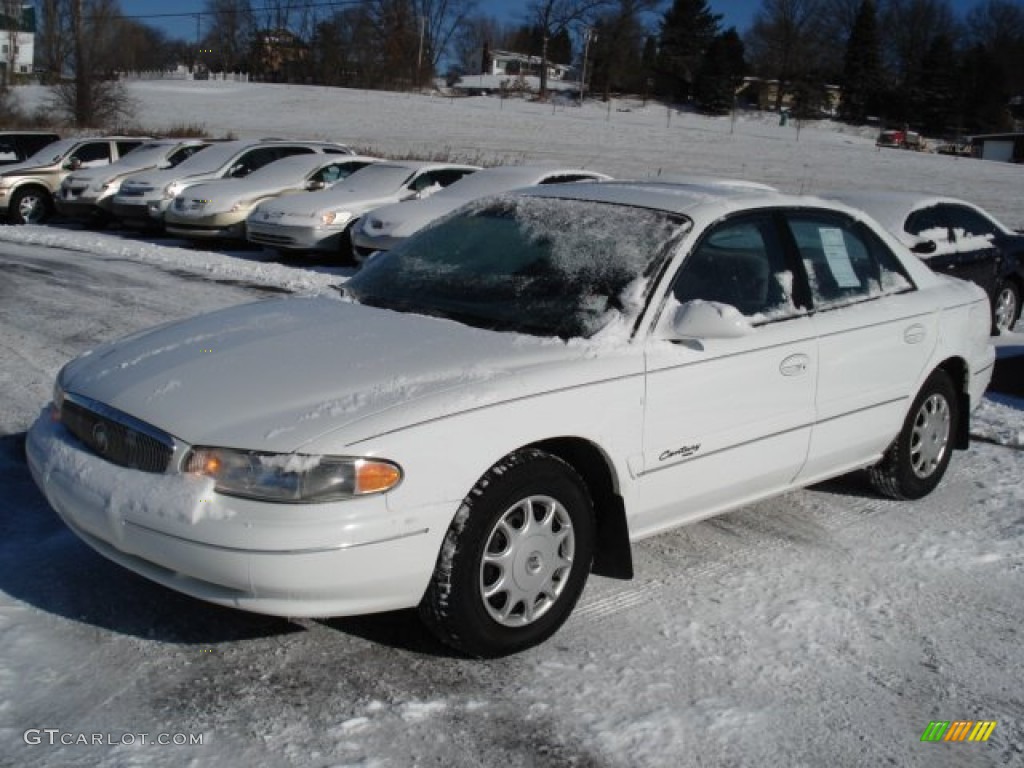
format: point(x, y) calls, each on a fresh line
point(346, 257)
point(1006, 307)
point(917, 459)
point(548, 568)
point(30, 205)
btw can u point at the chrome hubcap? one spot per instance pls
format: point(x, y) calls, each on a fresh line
point(929, 438)
point(30, 209)
point(1005, 309)
point(527, 560)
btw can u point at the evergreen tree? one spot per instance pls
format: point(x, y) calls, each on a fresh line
point(936, 95)
point(721, 73)
point(862, 81)
point(687, 29)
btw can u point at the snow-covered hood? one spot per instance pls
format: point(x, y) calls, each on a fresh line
point(223, 193)
point(25, 168)
point(337, 198)
point(278, 374)
point(157, 179)
point(404, 218)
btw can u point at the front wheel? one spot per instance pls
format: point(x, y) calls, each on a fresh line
point(1006, 307)
point(515, 558)
point(917, 459)
point(30, 206)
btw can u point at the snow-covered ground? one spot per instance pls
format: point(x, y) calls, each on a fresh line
point(826, 626)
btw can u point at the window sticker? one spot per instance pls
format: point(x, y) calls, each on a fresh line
point(838, 258)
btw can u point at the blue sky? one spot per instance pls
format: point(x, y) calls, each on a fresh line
point(736, 13)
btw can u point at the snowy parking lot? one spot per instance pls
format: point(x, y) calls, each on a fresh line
point(827, 626)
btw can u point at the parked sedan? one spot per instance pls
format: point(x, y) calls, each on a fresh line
point(383, 229)
point(955, 238)
point(89, 194)
point(218, 209)
point(323, 221)
point(145, 197)
point(508, 400)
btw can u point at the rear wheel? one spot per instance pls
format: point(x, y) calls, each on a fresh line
point(515, 558)
point(917, 459)
point(1006, 307)
point(31, 205)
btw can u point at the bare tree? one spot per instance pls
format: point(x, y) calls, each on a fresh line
point(229, 36)
point(10, 33)
point(557, 16)
point(785, 42)
point(94, 97)
point(472, 38)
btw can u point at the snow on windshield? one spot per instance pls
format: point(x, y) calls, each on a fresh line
point(544, 266)
point(287, 170)
point(51, 153)
point(373, 180)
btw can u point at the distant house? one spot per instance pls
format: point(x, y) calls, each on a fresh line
point(279, 53)
point(759, 93)
point(1004, 147)
point(508, 63)
point(17, 42)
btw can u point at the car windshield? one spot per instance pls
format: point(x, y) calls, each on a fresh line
point(51, 153)
point(287, 170)
point(211, 158)
point(489, 181)
point(376, 179)
point(535, 265)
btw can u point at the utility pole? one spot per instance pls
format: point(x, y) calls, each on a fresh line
point(588, 35)
point(83, 96)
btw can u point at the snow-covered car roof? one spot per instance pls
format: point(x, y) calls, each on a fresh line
point(891, 209)
point(505, 177)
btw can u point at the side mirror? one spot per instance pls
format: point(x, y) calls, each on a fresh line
point(701, 319)
point(237, 171)
point(924, 247)
point(73, 163)
point(316, 185)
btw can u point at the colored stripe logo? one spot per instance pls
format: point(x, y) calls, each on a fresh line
point(958, 730)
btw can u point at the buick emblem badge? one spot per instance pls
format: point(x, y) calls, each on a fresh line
point(101, 438)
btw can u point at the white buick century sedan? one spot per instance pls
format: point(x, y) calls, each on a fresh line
point(508, 400)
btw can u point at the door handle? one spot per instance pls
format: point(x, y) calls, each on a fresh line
point(915, 334)
point(795, 365)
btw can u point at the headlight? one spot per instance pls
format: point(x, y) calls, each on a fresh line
point(292, 477)
point(334, 218)
point(173, 189)
point(58, 401)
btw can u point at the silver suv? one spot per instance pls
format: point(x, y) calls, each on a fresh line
point(145, 197)
point(27, 188)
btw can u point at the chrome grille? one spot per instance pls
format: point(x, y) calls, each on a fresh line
point(269, 239)
point(117, 437)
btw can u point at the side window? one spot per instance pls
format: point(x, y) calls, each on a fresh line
point(335, 172)
point(289, 151)
point(741, 262)
point(251, 161)
point(966, 223)
point(845, 262)
point(928, 224)
point(124, 147)
point(92, 154)
point(566, 178)
point(424, 182)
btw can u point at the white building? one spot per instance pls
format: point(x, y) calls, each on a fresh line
point(17, 39)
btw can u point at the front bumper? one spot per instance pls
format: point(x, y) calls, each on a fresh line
point(293, 237)
point(364, 245)
point(341, 558)
point(215, 226)
point(140, 209)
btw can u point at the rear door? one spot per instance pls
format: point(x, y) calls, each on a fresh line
point(876, 333)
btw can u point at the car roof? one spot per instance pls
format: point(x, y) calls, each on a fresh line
point(665, 196)
point(891, 209)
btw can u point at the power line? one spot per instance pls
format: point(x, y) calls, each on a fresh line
point(271, 8)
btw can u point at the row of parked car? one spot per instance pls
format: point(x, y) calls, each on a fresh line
point(298, 196)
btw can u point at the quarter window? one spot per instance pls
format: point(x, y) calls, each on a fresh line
point(844, 261)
